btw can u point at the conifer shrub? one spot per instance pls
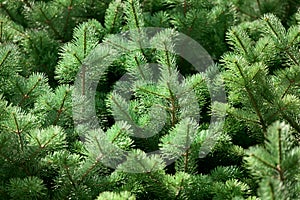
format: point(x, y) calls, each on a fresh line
point(149, 132)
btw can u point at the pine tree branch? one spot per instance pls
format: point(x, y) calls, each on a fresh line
point(83, 78)
point(139, 68)
point(83, 66)
point(8, 12)
point(272, 191)
point(128, 117)
point(84, 42)
point(291, 121)
point(252, 99)
point(167, 57)
point(73, 183)
point(173, 106)
point(292, 57)
point(41, 147)
point(246, 13)
point(49, 22)
point(291, 44)
point(271, 118)
point(34, 46)
point(1, 31)
point(13, 163)
point(186, 154)
point(190, 29)
point(245, 119)
point(281, 110)
point(5, 57)
point(143, 166)
point(27, 95)
point(259, 6)
point(272, 28)
point(287, 50)
point(70, 8)
point(18, 131)
point(240, 42)
point(117, 135)
point(60, 110)
point(90, 168)
point(115, 18)
point(77, 58)
point(177, 196)
point(186, 158)
point(288, 88)
point(151, 92)
point(264, 162)
point(280, 156)
point(138, 26)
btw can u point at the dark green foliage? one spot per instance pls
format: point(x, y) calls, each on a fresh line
point(149, 131)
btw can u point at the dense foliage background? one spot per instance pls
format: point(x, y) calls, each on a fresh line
point(255, 45)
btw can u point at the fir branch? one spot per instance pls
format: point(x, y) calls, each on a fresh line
point(34, 45)
point(84, 42)
point(293, 40)
point(139, 67)
point(186, 154)
point(281, 110)
point(173, 106)
point(115, 17)
point(138, 26)
point(267, 19)
point(190, 28)
point(272, 190)
point(252, 99)
point(151, 92)
point(288, 88)
point(77, 58)
point(186, 158)
point(246, 13)
point(18, 131)
point(7, 12)
point(73, 183)
point(60, 110)
point(1, 30)
point(5, 57)
point(168, 57)
point(128, 117)
point(90, 168)
point(83, 79)
point(259, 5)
point(69, 9)
point(177, 196)
point(49, 22)
point(240, 42)
point(245, 119)
point(280, 155)
point(143, 166)
point(135, 16)
point(291, 121)
point(41, 147)
point(291, 56)
point(117, 135)
point(264, 162)
point(26, 96)
point(117, 46)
